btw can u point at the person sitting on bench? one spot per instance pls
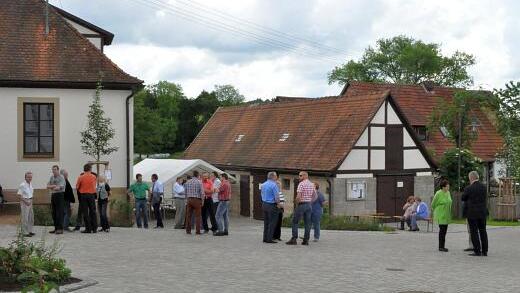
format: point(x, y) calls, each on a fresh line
point(408, 208)
point(421, 213)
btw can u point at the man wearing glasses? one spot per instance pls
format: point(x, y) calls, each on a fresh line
point(306, 194)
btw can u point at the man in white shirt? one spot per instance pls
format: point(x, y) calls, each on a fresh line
point(214, 197)
point(157, 192)
point(179, 197)
point(25, 191)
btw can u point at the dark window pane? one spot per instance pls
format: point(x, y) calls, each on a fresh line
point(46, 128)
point(31, 145)
point(46, 112)
point(45, 144)
point(31, 111)
point(31, 128)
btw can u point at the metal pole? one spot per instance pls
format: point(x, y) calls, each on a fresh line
point(47, 17)
point(459, 145)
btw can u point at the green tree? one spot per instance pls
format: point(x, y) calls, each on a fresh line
point(449, 164)
point(156, 117)
point(404, 60)
point(228, 95)
point(95, 139)
point(507, 107)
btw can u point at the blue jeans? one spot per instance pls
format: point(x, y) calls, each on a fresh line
point(303, 210)
point(414, 219)
point(316, 219)
point(222, 216)
point(141, 210)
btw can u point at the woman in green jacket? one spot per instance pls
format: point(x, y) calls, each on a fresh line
point(441, 208)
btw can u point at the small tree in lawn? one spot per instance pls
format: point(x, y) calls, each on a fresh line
point(95, 139)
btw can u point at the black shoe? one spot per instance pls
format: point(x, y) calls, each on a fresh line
point(305, 242)
point(32, 234)
point(475, 254)
point(86, 232)
point(101, 230)
point(402, 228)
point(443, 249)
point(27, 235)
point(77, 228)
point(52, 232)
point(278, 239)
point(484, 253)
point(226, 233)
point(270, 241)
point(468, 249)
point(219, 234)
point(107, 230)
point(291, 242)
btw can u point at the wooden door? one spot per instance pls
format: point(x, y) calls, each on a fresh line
point(245, 196)
point(392, 192)
point(394, 148)
point(258, 179)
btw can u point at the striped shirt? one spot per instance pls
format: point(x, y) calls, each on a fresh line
point(281, 197)
point(306, 190)
point(194, 188)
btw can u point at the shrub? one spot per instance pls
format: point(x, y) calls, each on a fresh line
point(329, 222)
point(123, 210)
point(42, 216)
point(33, 265)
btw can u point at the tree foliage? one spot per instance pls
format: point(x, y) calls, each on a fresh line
point(404, 60)
point(507, 107)
point(95, 139)
point(448, 167)
point(166, 121)
point(457, 117)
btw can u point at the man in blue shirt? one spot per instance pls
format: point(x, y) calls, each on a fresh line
point(269, 201)
point(420, 214)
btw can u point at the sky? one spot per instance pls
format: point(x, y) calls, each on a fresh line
point(269, 48)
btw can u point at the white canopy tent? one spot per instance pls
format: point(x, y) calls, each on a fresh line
point(169, 169)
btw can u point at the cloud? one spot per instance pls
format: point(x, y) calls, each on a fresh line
point(155, 44)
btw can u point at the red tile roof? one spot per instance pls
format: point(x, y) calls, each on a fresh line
point(64, 56)
point(321, 133)
point(417, 105)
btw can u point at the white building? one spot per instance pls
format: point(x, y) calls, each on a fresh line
point(47, 82)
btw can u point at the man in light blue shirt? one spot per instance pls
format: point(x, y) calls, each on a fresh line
point(156, 199)
point(420, 214)
point(269, 191)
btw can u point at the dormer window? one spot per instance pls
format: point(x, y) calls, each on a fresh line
point(421, 132)
point(444, 131)
point(475, 123)
point(239, 138)
point(284, 137)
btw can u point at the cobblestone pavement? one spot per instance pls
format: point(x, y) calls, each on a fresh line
point(132, 260)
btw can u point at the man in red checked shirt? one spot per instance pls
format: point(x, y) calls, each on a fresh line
point(306, 194)
point(207, 208)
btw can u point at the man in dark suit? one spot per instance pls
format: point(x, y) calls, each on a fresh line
point(474, 198)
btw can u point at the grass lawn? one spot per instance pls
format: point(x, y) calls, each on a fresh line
point(490, 222)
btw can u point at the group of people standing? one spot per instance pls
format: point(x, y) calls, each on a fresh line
point(89, 189)
point(196, 199)
point(309, 200)
point(474, 200)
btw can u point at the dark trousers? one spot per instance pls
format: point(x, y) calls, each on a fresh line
point(407, 221)
point(443, 229)
point(89, 212)
point(477, 229)
point(103, 218)
point(58, 206)
point(207, 211)
point(193, 207)
point(79, 216)
point(278, 227)
point(157, 213)
point(270, 218)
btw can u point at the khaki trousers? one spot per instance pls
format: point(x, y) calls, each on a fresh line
point(27, 216)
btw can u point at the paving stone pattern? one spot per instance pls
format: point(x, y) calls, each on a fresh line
point(132, 260)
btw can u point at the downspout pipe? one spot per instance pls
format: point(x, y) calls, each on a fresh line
point(128, 156)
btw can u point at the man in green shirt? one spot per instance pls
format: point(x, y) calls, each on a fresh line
point(138, 190)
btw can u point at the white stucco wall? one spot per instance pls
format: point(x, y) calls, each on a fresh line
point(407, 139)
point(392, 117)
point(379, 118)
point(377, 159)
point(73, 108)
point(356, 160)
point(85, 31)
point(363, 139)
point(413, 159)
point(377, 136)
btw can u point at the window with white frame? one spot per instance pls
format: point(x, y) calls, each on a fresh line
point(356, 190)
